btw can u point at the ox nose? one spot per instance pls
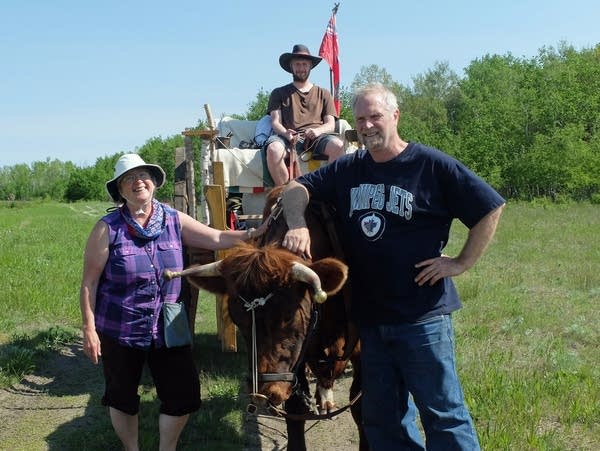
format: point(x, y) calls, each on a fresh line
point(257, 401)
point(271, 394)
point(277, 392)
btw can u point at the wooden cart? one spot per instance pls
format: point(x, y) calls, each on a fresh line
point(223, 169)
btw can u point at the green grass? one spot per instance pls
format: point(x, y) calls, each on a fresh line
point(41, 259)
point(527, 337)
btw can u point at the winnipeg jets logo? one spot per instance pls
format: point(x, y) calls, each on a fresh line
point(372, 225)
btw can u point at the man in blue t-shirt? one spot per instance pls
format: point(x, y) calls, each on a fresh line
point(396, 201)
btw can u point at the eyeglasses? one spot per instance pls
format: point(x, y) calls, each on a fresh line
point(134, 176)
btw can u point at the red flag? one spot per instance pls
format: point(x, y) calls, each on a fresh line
point(329, 52)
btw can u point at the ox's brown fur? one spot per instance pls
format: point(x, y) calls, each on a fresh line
point(335, 332)
point(252, 272)
point(248, 273)
point(268, 267)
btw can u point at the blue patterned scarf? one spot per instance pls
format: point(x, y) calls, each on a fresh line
point(154, 226)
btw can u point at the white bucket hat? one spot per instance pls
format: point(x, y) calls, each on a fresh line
point(126, 163)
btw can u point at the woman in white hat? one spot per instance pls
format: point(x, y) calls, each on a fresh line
point(122, 294)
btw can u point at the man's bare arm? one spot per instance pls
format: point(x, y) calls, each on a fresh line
point(276, 124)
point(328, 126)
point(479, 237)
point(278, 127)
point(295, 200)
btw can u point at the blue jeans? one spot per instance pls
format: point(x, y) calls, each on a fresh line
point(408, 367)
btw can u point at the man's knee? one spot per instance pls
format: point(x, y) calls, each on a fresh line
point(275, 152)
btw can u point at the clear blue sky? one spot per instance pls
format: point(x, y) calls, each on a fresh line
point(85, 79)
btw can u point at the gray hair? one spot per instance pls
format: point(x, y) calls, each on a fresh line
point(388, 98)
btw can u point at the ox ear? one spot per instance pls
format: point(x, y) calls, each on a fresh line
point(332, 272)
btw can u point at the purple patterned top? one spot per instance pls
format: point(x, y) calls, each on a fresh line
point(131, 289)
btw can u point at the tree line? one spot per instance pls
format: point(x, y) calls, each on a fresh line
point(528, 126)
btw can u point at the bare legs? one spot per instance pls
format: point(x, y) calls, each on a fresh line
point(276, 154)
point(276, 163)
point(126, 427)
point(170, 428)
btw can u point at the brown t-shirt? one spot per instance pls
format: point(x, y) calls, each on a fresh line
point(299, 110)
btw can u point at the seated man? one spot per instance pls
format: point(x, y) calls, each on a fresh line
point(302, 115)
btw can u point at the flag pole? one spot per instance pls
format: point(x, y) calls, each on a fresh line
point(331, 82)
point(329, 52)
point(334, 11)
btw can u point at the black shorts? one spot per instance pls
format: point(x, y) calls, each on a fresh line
point(317, 148)
point(173, 372)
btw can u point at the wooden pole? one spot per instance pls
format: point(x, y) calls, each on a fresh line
point(182, 202)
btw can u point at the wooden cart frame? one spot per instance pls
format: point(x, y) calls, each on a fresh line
point(211, 210)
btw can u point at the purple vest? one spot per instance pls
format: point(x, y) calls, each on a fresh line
point(131, 289)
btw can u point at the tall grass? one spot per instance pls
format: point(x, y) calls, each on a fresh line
point(527, 337)
point(41, 249)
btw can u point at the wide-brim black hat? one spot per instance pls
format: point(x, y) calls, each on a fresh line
point(299, 51)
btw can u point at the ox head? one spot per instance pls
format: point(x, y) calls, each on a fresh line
point(271, 299)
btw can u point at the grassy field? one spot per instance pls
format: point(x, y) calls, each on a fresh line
point(527, 337)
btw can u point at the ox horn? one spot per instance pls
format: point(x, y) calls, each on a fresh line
point(304, 274)
point(209, 270)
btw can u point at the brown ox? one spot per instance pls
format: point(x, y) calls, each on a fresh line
point(276, 301)
point(336, 340)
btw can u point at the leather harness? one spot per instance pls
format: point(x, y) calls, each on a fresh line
point(351, 338)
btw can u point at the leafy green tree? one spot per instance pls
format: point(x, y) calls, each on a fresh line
point(83, 184)
point(89, 183)
point(560, 166)
point(346, 105)
point(568, 88)
point(374, 74)
point(16, 183)
point(49, 178)
point(492, 117)
point(258, 107)
point(6, 189)
point(441, 87)
point(429, 108)
point(530, 127)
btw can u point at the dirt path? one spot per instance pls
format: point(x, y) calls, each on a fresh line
point(62, 400)
point(57, 396)
point(267, 433)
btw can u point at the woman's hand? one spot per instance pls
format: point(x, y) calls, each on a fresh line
point(91, 344)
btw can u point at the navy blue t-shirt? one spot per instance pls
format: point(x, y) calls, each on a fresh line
point(394, 215)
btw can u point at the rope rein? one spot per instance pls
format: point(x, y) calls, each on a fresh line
point(314, 416)
point(251, 306)
point(351, 338)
